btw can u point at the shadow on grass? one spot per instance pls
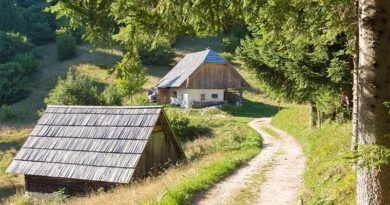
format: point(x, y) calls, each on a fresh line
point(7, 191)
point(16, 144)
point(251, 109)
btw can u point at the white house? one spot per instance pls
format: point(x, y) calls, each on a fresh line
point(201, 79)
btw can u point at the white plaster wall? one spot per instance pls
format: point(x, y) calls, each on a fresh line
point(185, 97)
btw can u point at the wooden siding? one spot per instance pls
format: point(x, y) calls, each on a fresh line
point(163, 95)
point(215, 76)
point(42, 184)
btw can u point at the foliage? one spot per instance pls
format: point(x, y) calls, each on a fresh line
point(161, 54)
point(13, 83)
point(73, 90)
point(300, 55)
point(234, 33)
point(9, 15)
point(179, 124)
point(6, 113)
point(17, 61)
point(41, 33)
point(111, 96)
point(60, 196)
point(185, 128)
point(329, 178)
point(371, 155)
point(28, 61)
point(131, 76)
point(12, 44)
point(66, 46)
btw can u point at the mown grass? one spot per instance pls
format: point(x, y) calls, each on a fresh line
point(329, 178)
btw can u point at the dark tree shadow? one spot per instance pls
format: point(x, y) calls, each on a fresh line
point(251, 109)
point(17, 143)
point(7, 191)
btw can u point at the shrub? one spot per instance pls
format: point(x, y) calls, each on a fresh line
point(161, 55)
point(13, 83)
point(180, 124)
point(28, 61)
point(73, 91)
point(111, 96)
point(186, 129)
point(41, 33)
point(66, 46)
point(12, 44)
point(6, 113)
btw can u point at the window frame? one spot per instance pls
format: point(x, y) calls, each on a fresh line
point(202, 97)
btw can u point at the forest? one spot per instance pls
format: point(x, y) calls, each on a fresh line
point(325, 61)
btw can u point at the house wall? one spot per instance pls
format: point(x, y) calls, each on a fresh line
point(185, 97)
point(215, 76)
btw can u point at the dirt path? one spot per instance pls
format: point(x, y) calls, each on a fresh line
point(283, 181)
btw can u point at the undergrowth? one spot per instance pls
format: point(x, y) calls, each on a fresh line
point(329, 176)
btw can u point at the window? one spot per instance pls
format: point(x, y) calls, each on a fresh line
point(174, 94)
point(214, 95)
point(202, 97)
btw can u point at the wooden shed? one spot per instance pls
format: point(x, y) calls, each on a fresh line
point(201, 78)
point(83, 148)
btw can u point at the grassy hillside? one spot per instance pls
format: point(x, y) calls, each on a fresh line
point(14, 131)
point(212, 155)
point(329, 177)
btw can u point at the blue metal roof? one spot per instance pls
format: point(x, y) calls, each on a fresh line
point(214, 57)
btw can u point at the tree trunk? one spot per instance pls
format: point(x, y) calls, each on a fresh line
point(355, 89)
point(373, 183)
point(313, 116)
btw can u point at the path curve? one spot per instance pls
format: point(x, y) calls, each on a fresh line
point(283, 181)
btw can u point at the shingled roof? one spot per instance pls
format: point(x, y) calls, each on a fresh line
point(87, 142)
point(182, 71)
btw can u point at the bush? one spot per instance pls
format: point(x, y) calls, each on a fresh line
point(41, 33)
point(28, 61)
point(161, 55)
point(111, 96)
point(180, 124)
point(66, 46)
point(73, 91)
point(6, 113)
point(13, 83)
point(186, 129)
point(12, 44)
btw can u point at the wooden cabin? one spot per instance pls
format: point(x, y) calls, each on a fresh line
point(201, 78)
point(83, 148)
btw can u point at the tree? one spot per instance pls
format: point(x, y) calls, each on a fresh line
point(73, 90)
point(66, 46)
point(10, 17)
point(373, 182)
point(130, 76)
point(299, 52)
